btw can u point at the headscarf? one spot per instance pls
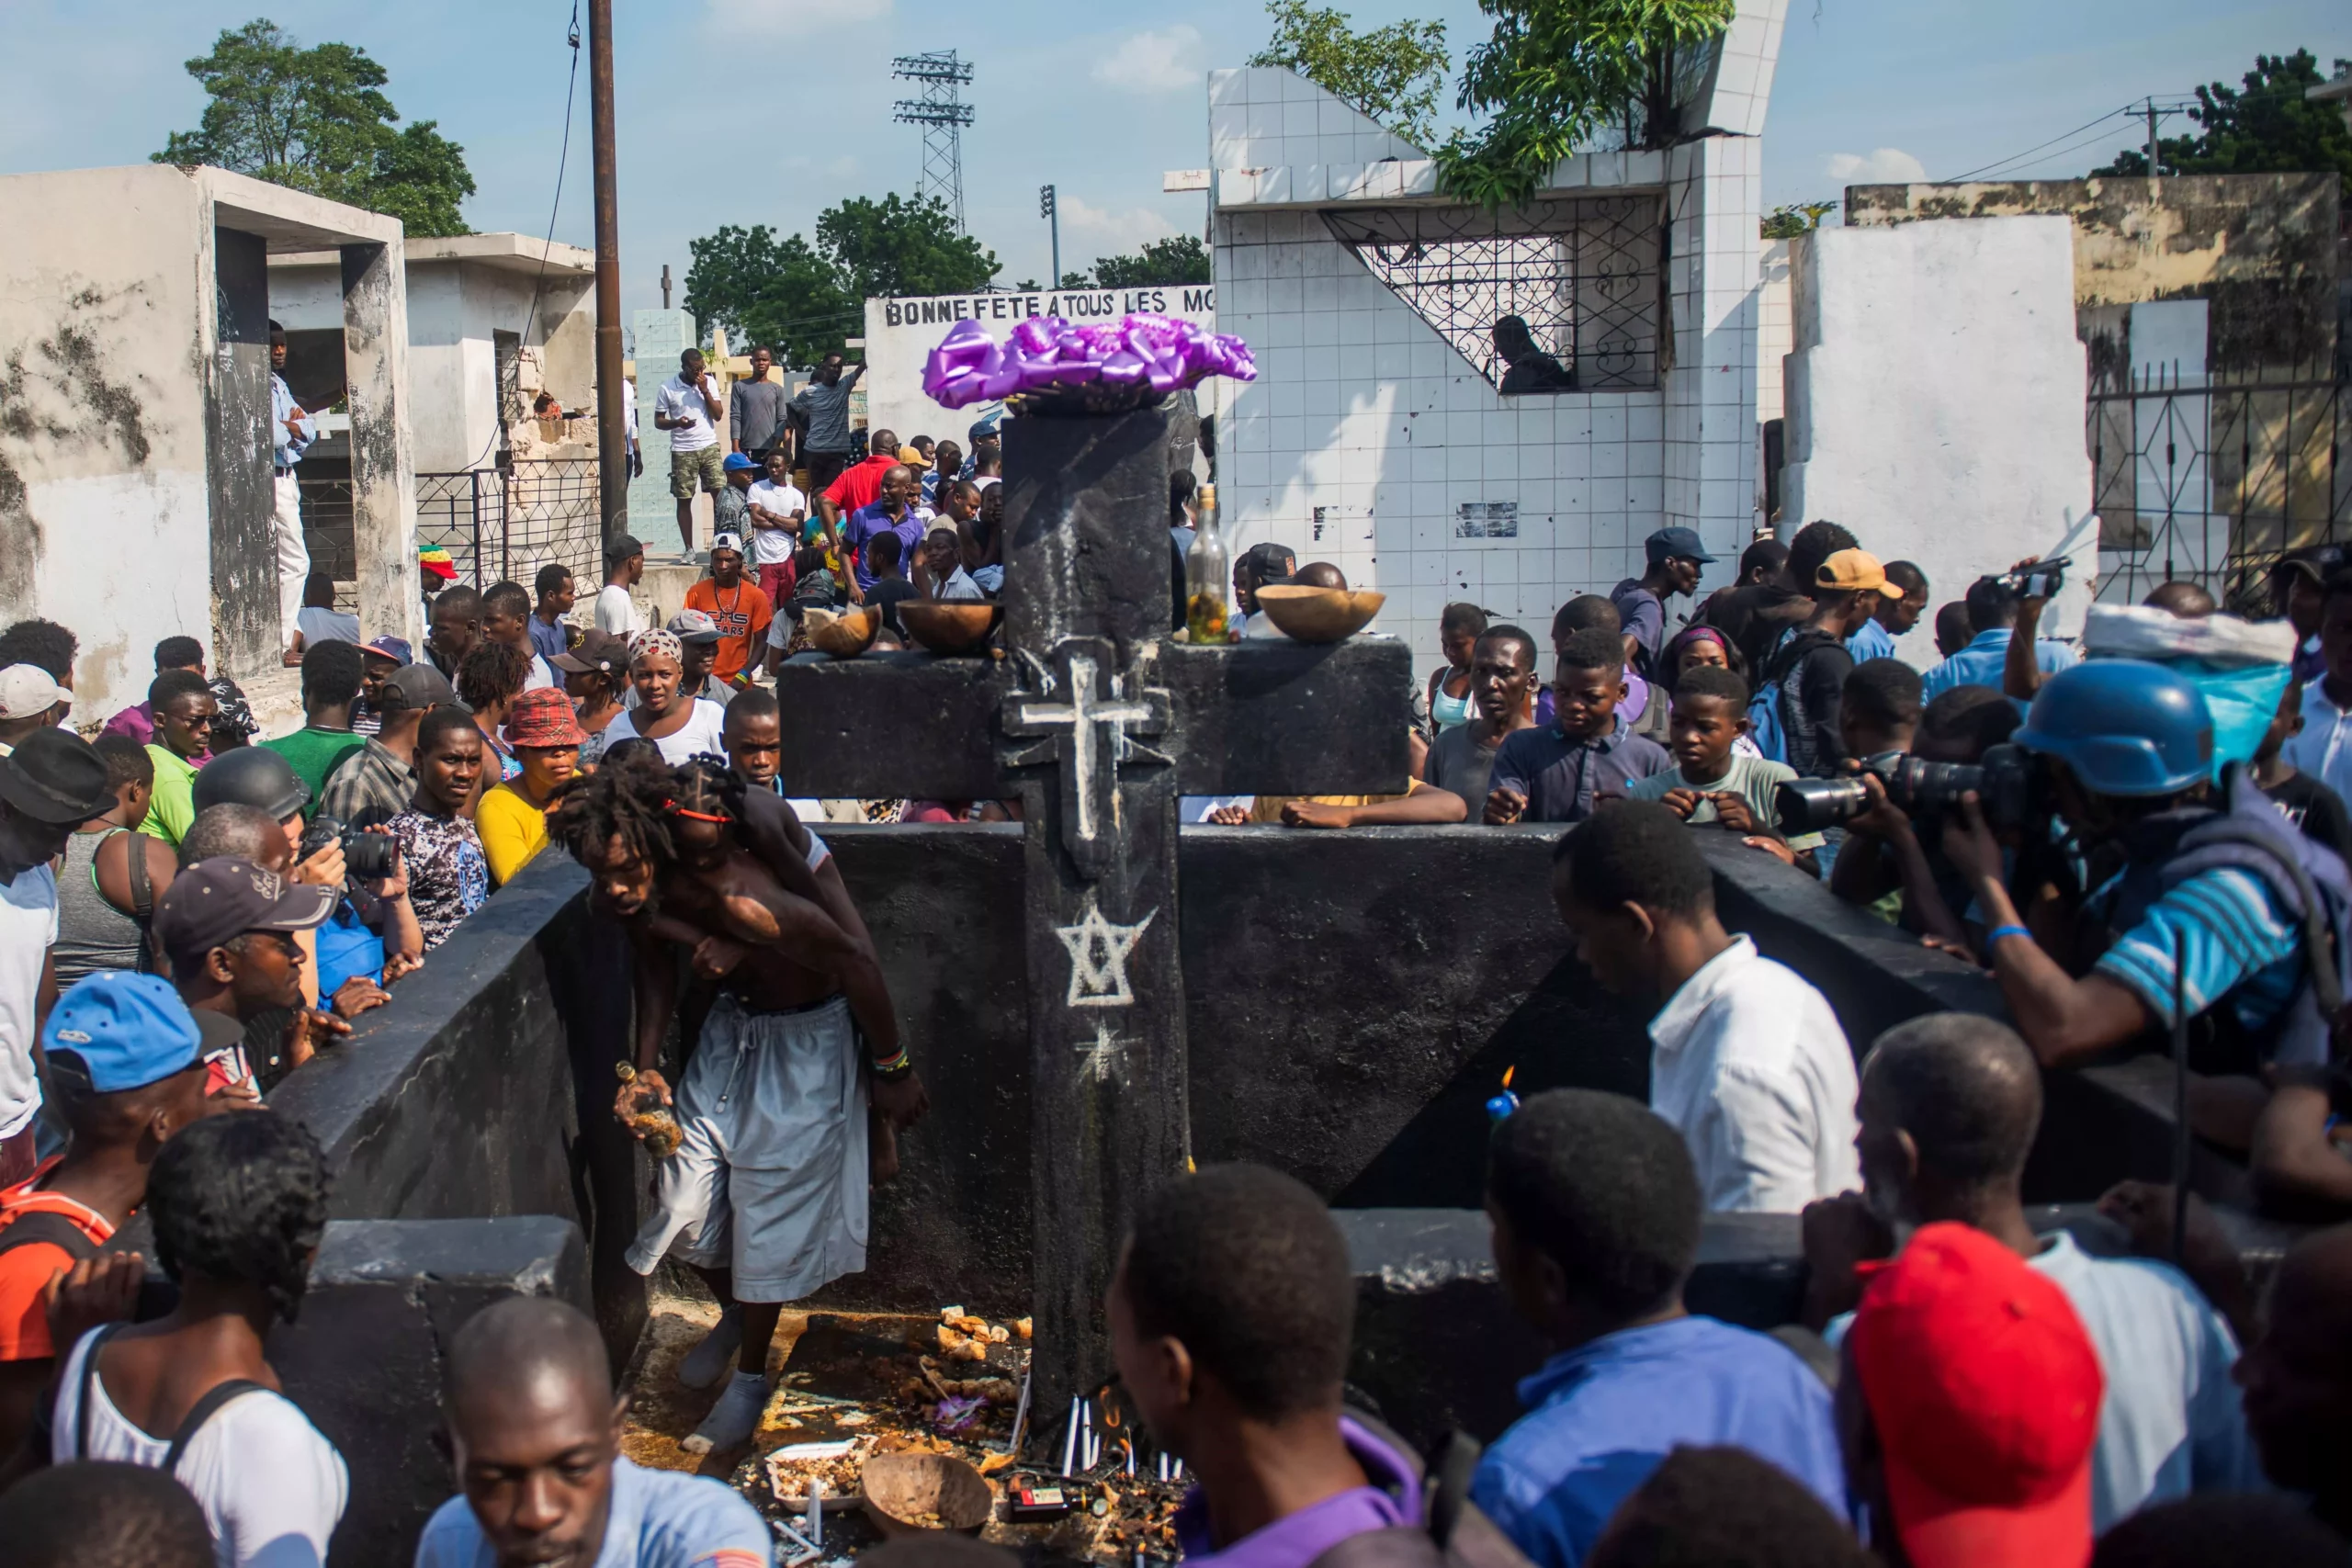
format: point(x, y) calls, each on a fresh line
point(1669, 664)
point(656, 640)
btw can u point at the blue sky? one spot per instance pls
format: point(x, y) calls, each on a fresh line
point(749, 111)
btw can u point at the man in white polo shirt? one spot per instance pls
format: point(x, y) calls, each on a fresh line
point(688, 407)
point(1746, 1060)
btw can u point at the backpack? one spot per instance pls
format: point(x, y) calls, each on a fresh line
point(1769, 719)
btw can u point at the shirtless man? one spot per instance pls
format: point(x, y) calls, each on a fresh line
point(766, 1197)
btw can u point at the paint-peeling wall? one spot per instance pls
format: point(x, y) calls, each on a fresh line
point(2262, 248)
point(104, 524)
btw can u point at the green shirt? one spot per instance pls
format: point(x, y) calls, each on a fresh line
point(173, 806)
point(313, 753)
point(1754, 777)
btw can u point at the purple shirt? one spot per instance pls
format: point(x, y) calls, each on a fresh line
point(868, 522)
point(1296, 1539)
point(138, 721)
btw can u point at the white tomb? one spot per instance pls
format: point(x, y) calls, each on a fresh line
point(1378, 435)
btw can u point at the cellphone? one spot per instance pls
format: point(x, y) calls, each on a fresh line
point(2038, 580)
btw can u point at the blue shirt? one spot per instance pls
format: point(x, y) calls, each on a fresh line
point(346, 948)
point(1561, 777)
point(1873, 641)
point(1979, 664)
point(868, 522)
point(659, 1519)
point(287, 447)
point(2235, 941)
point(1602, 1417)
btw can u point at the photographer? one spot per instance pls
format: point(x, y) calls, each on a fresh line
point(2005, 653)
point(2208, 902)
point(1888, 864)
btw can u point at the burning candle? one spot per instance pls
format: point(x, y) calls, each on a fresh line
point(1506, 1102)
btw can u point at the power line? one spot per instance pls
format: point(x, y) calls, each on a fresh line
point(2003, 162)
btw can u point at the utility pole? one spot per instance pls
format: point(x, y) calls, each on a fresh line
point(2152, 178)
point(666, 285)
point(943, 113)
point(612, 419)
point(1046, 210)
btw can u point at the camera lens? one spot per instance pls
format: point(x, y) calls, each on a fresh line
point(1807, 806)
point(368, 856)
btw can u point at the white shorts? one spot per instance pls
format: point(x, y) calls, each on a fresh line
point(770, 1181)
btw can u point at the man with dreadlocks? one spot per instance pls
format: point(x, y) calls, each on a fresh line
point(766, 1195)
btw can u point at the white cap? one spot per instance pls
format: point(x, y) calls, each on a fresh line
point(27, 691)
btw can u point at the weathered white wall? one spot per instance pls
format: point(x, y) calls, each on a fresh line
point(1366, 434)
point(1935, 400)
point(105, 306)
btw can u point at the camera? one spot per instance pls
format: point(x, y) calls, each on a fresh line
point(367, 857)
point(2007, 782)
point(2037, 580)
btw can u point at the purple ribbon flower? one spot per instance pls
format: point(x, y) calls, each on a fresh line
point(1160, 352)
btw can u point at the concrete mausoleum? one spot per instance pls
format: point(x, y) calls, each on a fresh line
point(1378, 435)
point(135, 483)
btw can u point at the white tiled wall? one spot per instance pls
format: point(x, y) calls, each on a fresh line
point(1365, 432)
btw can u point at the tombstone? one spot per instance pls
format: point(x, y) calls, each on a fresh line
point(1098, 722)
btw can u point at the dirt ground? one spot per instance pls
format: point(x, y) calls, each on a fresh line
point(886, 1384)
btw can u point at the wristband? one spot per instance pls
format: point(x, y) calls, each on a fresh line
point(1994, 936)
point(892, 1065)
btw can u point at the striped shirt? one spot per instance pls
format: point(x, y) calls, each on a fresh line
point(2235, 941)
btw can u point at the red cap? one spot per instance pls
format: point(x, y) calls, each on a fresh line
point(542, 717)
point(1985, 1392)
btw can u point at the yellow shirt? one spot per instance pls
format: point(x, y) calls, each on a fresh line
point(512, 831)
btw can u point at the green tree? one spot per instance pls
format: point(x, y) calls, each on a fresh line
point(2269, 126)
point(1791, 218)
point(1179, 259)
point(806, 299)
point(1392, 73)
point(1557, 72)
point(314, 120)
point(897, 246)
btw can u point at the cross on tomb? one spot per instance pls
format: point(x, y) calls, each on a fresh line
point(1063, 722)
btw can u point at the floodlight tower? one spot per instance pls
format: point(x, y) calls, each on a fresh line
point(943, 114)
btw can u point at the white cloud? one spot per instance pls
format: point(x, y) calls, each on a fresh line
point(1116, 233)
point(1887, 167)
point(773, 19)
point(1165, 59)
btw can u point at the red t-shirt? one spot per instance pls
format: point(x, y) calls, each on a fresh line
point(859, 486)
point(742, 613)
point(26, 1271)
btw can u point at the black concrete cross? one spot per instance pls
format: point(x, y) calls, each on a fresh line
point(1098, 722)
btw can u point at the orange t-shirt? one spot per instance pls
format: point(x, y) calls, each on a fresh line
point(26, 1271)
point(742, 613)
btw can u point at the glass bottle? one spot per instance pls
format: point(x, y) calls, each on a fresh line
point(1208, 576)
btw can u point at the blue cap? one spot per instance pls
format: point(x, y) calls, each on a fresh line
point(127, 1030)
point(2125, 727)
point(1676, 544)
point(736, 462)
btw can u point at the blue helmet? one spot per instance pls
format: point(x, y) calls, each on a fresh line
point(2125, 727)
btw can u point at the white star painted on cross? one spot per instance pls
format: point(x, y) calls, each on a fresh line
point(1100, 982)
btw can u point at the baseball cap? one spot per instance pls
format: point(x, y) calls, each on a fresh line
point(122, 1031)
point(623, 547)
point(416, 686)
point(2318, 562)
point(395, 649)
point(542, 717)
point(217, 901)
point(1676, 544)
point(736, 462)
point(911, 455)
point(693, 626)
point(28, 690)
point(982, 429)
point(55, 776)
point(727, 541)
point(942, 523)
point(598, 653)
point(1856, 570)
point(1985, 1392)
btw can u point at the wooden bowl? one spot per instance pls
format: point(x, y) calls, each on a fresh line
point(845, 637)
point(900, 1490)
point(1319, 615)
point(949, 625)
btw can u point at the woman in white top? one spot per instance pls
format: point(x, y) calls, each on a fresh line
point(681, 726)
point(238, 1203)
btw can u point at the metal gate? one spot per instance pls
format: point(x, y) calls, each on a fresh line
point(2213, 480)
point(504, 524)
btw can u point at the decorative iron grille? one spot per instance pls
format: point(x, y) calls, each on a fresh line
point(1582, 274)
point(2212, 482)
point(505, 523)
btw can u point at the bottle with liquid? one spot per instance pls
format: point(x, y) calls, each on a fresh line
point(1208, 577)
point(653, 1120)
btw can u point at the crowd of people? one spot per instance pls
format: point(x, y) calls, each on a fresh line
point(2138, 833)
